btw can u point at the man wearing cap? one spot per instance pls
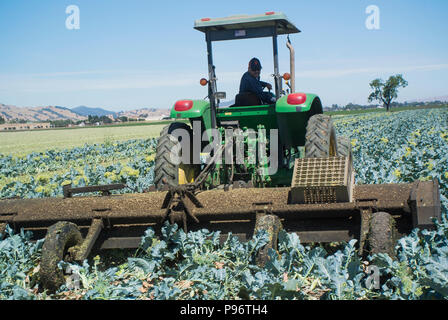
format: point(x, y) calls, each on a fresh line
point(250, 82)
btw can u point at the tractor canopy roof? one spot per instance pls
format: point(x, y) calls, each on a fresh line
point(245, 26)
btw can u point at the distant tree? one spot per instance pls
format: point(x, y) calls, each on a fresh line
point(93, 119)
point(123, 118)
point(105, 119)
point(385, 92)
point(2, 120)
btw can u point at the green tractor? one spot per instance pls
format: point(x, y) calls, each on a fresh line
point(295, 123)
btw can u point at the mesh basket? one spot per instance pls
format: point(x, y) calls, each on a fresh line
point(322, 180)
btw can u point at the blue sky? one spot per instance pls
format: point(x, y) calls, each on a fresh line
point(134, 54)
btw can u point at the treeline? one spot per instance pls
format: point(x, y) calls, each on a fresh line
point(126, 119)
point(106, 120)
point(96, 119)
point(354, 106)
point(63, 123)
point(13, 121)
point(91, 120)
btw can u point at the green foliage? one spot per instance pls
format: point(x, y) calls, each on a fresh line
point(399, 147)
point(196, 265)
point(421, 270)
point(18, 262)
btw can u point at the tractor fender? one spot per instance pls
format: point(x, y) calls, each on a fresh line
point(282, 105)
point(200, 109)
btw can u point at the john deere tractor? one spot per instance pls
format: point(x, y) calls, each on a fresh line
point(236, 169)
point(302, 128)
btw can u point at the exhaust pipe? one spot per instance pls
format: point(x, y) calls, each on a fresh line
point(292, 65)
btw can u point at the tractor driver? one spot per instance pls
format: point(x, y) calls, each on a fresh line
point(250, 82)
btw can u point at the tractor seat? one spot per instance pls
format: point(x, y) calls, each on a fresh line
point(246, 99)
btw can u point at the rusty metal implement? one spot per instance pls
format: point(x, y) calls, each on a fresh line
point(118, 221)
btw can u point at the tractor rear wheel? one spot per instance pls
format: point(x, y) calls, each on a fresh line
point(320, 138)
point(169, 170)
point(60, 237)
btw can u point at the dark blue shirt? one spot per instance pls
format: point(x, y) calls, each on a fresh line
point(251, 84)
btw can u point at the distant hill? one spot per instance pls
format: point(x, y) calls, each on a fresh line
point(52, 113)
point(38, 114)
point(86, 111)
point(143, 113)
